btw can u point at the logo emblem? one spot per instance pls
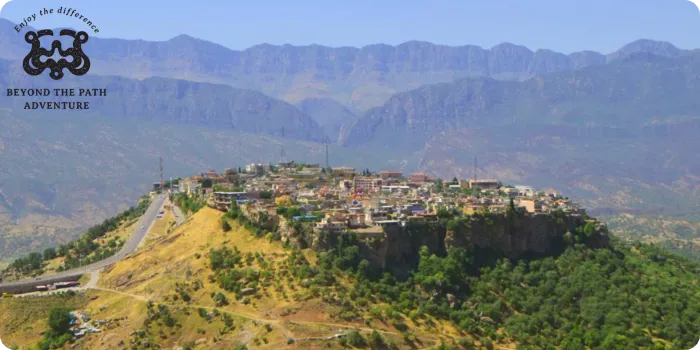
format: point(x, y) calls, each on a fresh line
point(79, 64)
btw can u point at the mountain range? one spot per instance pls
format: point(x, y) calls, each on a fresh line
point(615, 131)
point(360, 78)
point(629, 93)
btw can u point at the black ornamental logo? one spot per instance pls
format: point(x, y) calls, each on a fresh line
point(39, 58)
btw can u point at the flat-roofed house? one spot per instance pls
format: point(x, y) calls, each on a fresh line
point(330, 225)
point(222, 200)
point(418, 178)
point(390, 174)
point(485, 184)
point(366, 184)
point(343, 171)
point(530, 204)
point(356, 220)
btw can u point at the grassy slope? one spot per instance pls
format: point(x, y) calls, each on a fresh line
point(122, 233)
point(23, 320)
point(170, 258)
point(176, 262)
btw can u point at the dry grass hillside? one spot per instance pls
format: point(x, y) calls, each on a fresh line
point(166, 296)
point(105, 245)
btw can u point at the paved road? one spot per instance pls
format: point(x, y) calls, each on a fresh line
point(134, 241)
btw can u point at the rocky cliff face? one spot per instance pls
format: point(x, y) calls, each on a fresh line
point(513, 235)
point(634, 90)
point(494, 235)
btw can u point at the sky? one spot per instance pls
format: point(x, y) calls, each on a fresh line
point(560, 25)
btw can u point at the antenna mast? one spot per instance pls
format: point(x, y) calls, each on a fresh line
point(283, 154)
point(328, 163)
point(160, 166)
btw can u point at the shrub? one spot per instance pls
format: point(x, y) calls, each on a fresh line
point(220, 299)
point(376, 341)
point(225, 225)
point(355, 339)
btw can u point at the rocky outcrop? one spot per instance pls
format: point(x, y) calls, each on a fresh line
point(513, 236)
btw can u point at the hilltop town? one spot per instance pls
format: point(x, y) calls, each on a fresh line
point(297, 254)
point(344, 198)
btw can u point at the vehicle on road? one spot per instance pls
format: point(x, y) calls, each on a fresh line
point(57, 285)
point(69, 284)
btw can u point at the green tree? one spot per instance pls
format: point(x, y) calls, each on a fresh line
point(589, 229)
point(59, 320)
point(364, 269)
point(438, 185)
point(376, 341)
point(49, 253)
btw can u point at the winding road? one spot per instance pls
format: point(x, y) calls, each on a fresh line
point(137, 237)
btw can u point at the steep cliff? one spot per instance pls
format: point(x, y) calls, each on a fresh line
point(514, 236)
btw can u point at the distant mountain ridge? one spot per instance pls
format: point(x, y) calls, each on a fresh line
point(641, 88)
point(330, 115)
point(358, 77)
point(171, 101)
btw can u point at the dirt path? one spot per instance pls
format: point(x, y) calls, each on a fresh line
point(266, 320)
point(94, 277)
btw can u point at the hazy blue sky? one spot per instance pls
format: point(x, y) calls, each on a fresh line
point(561, 25)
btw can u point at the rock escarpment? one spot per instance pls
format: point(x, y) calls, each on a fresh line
point(513, 236)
